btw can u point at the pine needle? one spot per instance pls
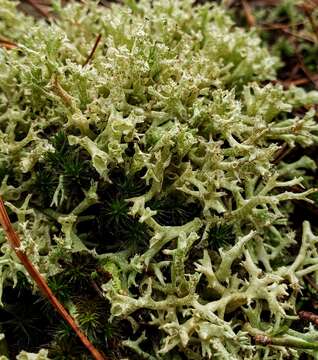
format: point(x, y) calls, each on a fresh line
point(14, 241)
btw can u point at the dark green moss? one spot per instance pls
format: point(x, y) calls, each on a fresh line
point(221, 236)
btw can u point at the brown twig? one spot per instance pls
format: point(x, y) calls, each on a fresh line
point(277, 26)
point(38, 8)
point(7, 44)
point(302, 37)
point(303, 81)
point(248, 13)
point(287, 83)
point(307, 315)
point(15, 243)
point(285, 29)
point(90, 56)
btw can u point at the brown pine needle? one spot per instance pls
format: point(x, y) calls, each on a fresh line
point(7, 44)
point(296, 82)
point(90, 56)
point(286, 30)
point(15, 243)
point(38, 8)
point(303, 81)
point(248, 13)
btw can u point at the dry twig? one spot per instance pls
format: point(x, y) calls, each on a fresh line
point(7, 44)
point(302, 81)
point(38, 8)
point(248, 13)
point(90, 56)
point(286, 30)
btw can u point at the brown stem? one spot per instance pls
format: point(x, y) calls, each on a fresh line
point(90, 56)
point(38, 8)
point(15, 243)
point(307, 315)
point(303, 81)
point(285, 29)
point(248, 13)
point(7, 44)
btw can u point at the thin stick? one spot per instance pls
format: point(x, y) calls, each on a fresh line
point(277, 26)
point(15, 243)
point(285, 29)
point(38, 8)
point(90, 56)
point(295, 35)
point(302, 81)
point(7, 44)
point(248, 13)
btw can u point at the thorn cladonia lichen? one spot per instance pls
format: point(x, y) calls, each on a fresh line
point(158, 158)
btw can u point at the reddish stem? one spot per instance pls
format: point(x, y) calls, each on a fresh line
point(7, 44)
point(248, 13)
point(14, 241)
point(307, 315)
point(90, 56)
point(38, 8)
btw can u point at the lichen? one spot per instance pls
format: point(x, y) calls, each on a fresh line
point(159, 158)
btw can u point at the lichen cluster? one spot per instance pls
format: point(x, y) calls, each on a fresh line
point(153, 173)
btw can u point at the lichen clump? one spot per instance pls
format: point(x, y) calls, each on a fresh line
point(160, 160)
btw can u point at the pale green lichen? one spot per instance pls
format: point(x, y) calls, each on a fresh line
point(174, 97)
